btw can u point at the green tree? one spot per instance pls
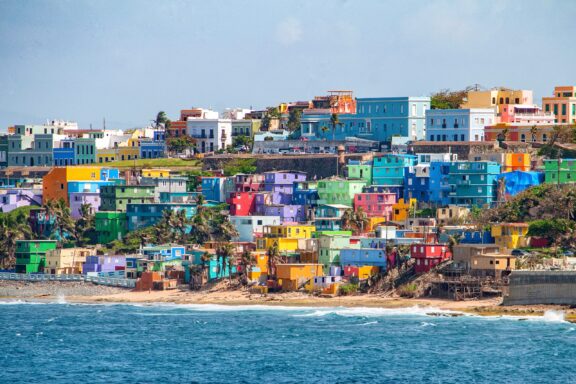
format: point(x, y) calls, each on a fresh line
point(447, 99)
point(177, 145)
point(270, 114)
point(294, 118)
point(334, 122)
point(161, 121)
point(85, 226)
point(12, 229)
point(274, 258)
point(355, 220)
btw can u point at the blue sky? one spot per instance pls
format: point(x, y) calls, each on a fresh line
point(84, 60)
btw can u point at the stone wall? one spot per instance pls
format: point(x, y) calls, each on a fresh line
point(462, 149)
point(541, 287)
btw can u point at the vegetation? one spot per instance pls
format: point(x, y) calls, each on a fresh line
point(348, 289)
point(447, 99)
point(270, 114)
point(242, 141)
point(161, 121)
point(355, 220)
point(180, 144)
point(237, 166)
point(13, 227)
point(294, 117)
point(334, 122)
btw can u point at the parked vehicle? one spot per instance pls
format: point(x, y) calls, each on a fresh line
point(520, 253)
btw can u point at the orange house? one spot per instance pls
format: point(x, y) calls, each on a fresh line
point(55, 183)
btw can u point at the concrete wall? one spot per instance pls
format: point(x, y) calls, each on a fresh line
point(541, 287)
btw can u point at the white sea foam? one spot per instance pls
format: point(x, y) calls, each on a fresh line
point(370, 323)
point(378, 312)
point(553, 316)
point(61, 299)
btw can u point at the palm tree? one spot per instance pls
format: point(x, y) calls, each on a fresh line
point(12, 229)
point(355, 220)
point(247, 260)
point(274, 258)
point(162, 121)
point(224, 252)
point(334, 122)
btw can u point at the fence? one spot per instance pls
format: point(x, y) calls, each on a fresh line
point(100, 280)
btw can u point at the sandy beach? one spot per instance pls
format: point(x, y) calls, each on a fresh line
point(90, 293)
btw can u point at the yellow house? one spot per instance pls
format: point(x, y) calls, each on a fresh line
point(285, 237)
point(401, 210)
point(156, 172)
point(495, 98)
point(66, 261)
point(106, 155)
point(510, 235)
point(131, 151)
point(373, 222)
point(516, 162)
point(291, 276)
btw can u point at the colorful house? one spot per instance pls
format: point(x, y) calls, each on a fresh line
point(13, 198)
point(360, 257)
point(328, 217)
point(389, 169)
point(287, 213)
point(305, 193)
point(428, 256)
point(560, 171)
point(452, 215)
point(31, 255)
point(510, 235)
point(55, 183)
point(362, 170)
point(329, 247)
point(148, 214)
point(336, 190)
point(213, 189)
point(562, 104)
point(417, 183)
point(375, 204)
point(473, 183)
point(285, 237)
point(110, 226)
point(281, 185)
point(242, 203)
point(117, 197)
point(458, 124)
point(66, 261)
point(401, 210)
point(439, 183)
point(78, 199)
point(250, 227)
point(292, 277)
point(248, 183)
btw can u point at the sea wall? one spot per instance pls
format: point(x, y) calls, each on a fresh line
point(541, 287)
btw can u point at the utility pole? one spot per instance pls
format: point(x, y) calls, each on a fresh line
point(559, 165)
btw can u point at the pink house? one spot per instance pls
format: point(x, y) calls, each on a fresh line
point(376, 204)
point(525, 113)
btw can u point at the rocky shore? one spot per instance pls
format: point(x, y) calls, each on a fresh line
point(55, 289)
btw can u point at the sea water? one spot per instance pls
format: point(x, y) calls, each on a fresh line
point(75, 343)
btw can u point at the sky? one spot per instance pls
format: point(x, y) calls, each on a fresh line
point(86, 60)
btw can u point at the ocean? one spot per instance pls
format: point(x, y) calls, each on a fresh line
point(116, 343)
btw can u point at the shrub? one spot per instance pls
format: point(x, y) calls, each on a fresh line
point(348, 289)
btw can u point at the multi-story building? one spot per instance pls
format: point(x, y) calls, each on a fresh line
point(170, 184)
point(13, 198)
point(281, 185)
point(376, 119)
point(110, 226)
point(117, 197)
point(473, 183)
point(560, 171)
point(78, 199)
point(285, 237)
point(389, 169)
point(375, 204)
point(439, 183)
point(417, 183)
point(305, 193)
point(31, 255)
point(211, 134)
point(428, 256)
point(510, 235)
point(562, 104)
point(362, 170)
point(497, 98)
point(250, 227)
point(452, 215)
point(328, 217)
point(213, 188)
point(336, 190)
point(329, 247)
point(55, 185)
point(242, 203)
point(155, 147)
point(287, 213)
point(67, 261)
point(458, 124)
point(522, 132)
point(525, 114)
point(509, 162)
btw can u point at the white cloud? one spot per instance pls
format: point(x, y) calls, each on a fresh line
point(289, 31)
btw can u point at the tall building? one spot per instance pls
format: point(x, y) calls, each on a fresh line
point(562, 104)
point(458, 124)
point(497, 98)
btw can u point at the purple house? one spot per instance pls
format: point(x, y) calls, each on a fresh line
point(287, 213)
point(13, 198)
point(104, 264)
point(77, 199)
point(281, 185)
point(261, 200)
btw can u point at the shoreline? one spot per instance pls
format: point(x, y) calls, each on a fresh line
point(238, 297)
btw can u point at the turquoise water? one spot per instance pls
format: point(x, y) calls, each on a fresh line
point(65, 343)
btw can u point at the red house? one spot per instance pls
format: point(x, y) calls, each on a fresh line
point(375, 204)
point(242, 203)
point(248, 183)
point(428, 256)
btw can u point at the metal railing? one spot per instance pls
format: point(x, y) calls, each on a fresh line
point(100, 280)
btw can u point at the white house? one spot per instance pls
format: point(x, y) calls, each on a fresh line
point(210, 134)
point(248, 226)
point(458, 124)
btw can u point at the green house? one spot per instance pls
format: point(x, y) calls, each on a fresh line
point(31, 255)
point(563, 170)
point(110, 226)
point(329, 248)
point(361, 170)
point(336, 190)
point(116, 197)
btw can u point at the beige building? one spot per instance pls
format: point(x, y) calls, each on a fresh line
point(496, 98)
point(482, 260)
point(67, 261)
point(452, 215)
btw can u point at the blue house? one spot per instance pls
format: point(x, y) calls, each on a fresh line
point(377, 119)
point(142, 215)
point(64, 154)
point(473, 183)
point(458, 124)
point(212, 267)
point(417, 183)
point(213, 189)
point(305, 193)
point(164, 252)
point(328, 217)
point(153, 148)
point(438, 184)
point(363, 256)
point(389, 169)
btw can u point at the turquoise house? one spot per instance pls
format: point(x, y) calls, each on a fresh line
point(328, 217)
point(213, 266)
point(389, 169)
point(473, 183)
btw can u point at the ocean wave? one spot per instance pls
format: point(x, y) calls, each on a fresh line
point(380, 312)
